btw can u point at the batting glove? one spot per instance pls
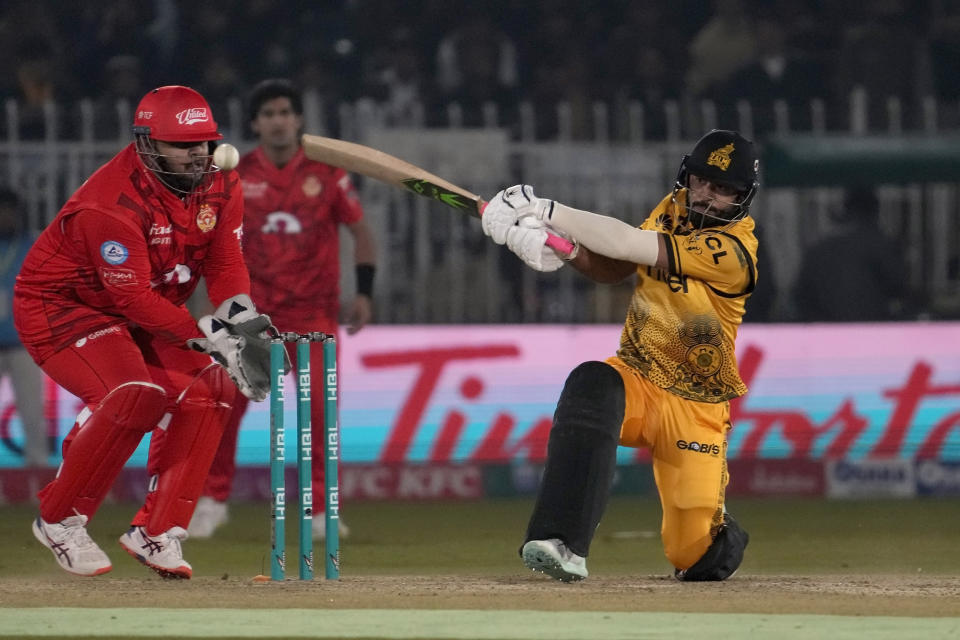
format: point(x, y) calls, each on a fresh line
point(508, 207)
point(528, 240)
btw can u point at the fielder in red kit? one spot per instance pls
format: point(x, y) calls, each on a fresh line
point(293, 208)
point(99, 304)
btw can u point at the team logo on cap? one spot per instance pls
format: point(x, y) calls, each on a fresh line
point(192, 116)
point(721, 157)
point(206, 218)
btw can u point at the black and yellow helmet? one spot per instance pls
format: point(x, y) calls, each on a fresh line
point(727, 158)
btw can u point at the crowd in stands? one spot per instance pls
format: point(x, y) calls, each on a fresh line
point(430, 53)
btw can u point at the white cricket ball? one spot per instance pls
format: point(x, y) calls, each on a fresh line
point(226, 156)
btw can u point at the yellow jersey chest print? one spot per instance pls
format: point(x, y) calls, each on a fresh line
point(682, 321)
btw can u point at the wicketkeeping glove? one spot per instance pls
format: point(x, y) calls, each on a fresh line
point(241, 318)
point(245, 365)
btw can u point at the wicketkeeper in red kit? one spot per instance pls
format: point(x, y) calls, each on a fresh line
point(99, 304)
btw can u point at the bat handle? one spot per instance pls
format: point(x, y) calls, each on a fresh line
point(555, 242)
point(558, 244)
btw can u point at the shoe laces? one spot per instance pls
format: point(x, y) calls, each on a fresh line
point(174, 535)
point(562, 548)
point(75, 531)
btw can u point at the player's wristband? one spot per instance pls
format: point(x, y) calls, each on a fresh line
point(365, 279)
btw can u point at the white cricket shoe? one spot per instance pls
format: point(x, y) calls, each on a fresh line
point(161, 553)
point(207, 517)
point(553, 558)
point(319, 527)
point(72, 546)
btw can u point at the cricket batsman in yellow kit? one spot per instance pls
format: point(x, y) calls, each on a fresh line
point(668, 387)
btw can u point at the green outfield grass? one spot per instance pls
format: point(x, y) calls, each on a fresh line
point(788, 536)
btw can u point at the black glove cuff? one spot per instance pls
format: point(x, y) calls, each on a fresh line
point(365, 274)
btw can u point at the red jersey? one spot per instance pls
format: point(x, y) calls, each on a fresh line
point(290, 244)
point(126, 250)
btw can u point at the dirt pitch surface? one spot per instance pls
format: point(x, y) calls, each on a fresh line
point(864, 595)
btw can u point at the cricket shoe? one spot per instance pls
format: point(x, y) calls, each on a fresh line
point(72, 546)
point(319, 528)
point(161, 553)
point(553, 558)
point(207, 517)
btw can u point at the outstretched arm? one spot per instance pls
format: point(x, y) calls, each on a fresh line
point(600, 268)
point(609, 249)
point(604, 235)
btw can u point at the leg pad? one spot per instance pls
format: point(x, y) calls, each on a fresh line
point(103, 443)
point(581, 457)
point(723, 556)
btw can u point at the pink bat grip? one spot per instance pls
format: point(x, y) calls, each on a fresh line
point(555, 242)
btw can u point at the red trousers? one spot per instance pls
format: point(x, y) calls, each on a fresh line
point(100, 363)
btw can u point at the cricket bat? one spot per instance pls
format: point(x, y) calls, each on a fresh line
point(367, 161)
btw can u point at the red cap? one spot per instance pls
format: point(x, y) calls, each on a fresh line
point(175, 114)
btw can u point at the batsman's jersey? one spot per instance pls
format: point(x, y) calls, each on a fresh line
point(291, 245)
point(682, 323)
point(126, 250)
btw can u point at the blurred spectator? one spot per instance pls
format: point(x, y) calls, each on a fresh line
point(16, 364)
point(38, 79)
point(857, 274)
point(653, 85)
point(123, 83)
point(394, 77)
point(885, 53)
point(222, 80)
point(636, 67)
point(477, 64)
point(777, 73)
point(559, 92)
point(485, 52)
point(726, 43)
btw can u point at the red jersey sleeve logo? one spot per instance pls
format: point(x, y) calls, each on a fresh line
point(118, 277)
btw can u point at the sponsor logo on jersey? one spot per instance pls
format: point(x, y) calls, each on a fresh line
point(115, 330)
point(254, 189)
point(699, 447)
point(206, 218)
point(312, 186)
point(160, 234)
point(721, 157)
point(193, 115)
point(282, 222)
point(113, 252)
point(118, 277)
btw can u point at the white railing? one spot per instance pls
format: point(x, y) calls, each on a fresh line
point(435, 264)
